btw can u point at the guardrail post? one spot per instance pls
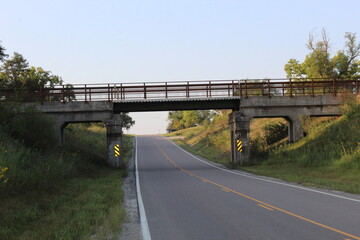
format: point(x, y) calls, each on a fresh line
point(269, 88)
point(187, 90)
point(312, 87)
point(62, 94)
point(85, 95)
point(121, 91)
point(240, 88)
point(334, 87)
point(233, 88)
point(246, 92)
point(210, 88)
point(109, 100)
point(166, 93)
point(144, 91)
point(291, 95)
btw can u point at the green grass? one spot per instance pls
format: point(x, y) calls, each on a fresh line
point(68, 193)
point(73, 210)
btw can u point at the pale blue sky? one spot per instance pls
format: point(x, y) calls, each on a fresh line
point(127, 41)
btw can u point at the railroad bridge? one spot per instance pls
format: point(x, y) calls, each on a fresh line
point(259, 98)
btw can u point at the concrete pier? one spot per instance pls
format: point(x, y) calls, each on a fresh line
point(240, 138)
point(114, 141)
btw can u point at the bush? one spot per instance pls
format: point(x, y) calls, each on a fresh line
point(29, 126)
point(275, 132)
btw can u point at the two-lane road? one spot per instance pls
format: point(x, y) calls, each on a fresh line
point(185, 197)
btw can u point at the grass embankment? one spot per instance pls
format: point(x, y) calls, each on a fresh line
point(60, 192)
point(328, 157)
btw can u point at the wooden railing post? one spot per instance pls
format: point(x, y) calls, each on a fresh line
point(187, 90)
point(312, 87)
point(108, 92)
point(240, 88)
point(210, 88)
point(233, 88)
point(166, 93)
point(62, 94)
point(269, 88)
point(144, 91)
point(246, 92)
point(291, 95)
point(334, 87)
point(85, 94)
point(121, 92)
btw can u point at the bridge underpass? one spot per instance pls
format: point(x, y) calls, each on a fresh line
point(247, 99)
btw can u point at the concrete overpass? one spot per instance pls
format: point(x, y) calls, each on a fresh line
point(247, 99)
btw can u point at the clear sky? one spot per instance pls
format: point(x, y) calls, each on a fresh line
point(88, 41)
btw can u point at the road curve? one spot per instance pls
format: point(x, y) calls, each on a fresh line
point(185, 197)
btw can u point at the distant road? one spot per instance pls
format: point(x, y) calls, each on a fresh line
point(186, 198)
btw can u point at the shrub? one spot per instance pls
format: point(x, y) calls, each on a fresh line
point(27, 125)
point(275, 132)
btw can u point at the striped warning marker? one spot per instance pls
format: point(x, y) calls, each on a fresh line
point(239, 145)
point(117, 150)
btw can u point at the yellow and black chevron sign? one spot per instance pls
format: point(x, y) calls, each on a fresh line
point(117, 150)
point(239, 145)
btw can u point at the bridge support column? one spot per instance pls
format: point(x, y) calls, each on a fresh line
point(114, 141)
point(240, 138)
point(296, 132)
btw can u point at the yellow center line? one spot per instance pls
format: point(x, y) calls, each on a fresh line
point(270, 209)
point(253, 199)
point(225, 190)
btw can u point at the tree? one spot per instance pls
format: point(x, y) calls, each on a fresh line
point(15, 74)
point(186, 119)
point(14, 71)
point(319, 64)
point(2, 53)
point(127, 121)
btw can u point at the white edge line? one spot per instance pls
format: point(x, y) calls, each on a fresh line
point(266, 180)
point(143, 220)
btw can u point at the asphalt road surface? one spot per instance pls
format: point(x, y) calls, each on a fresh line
point(185, 197)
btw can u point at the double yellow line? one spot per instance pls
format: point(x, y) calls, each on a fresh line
point(260, 203)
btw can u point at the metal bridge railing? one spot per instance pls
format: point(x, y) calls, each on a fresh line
point(186, 89)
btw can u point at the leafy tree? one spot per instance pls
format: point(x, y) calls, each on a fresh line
point(128, 122)
point(15, 74)
point(319, 64)
point(15, 71)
